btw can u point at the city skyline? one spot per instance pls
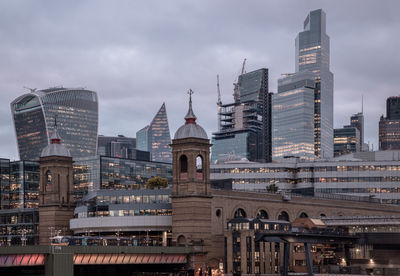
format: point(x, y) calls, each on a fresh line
point(171, 49)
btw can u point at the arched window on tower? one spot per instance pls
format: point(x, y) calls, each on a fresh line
point(183, 167)
point(49, 185)
point(199, 167)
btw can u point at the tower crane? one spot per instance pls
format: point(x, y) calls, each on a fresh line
point(236, 83)
point(219, 102)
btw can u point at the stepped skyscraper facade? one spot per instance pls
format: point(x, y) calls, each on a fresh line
point(75, 110)
point(312, 57)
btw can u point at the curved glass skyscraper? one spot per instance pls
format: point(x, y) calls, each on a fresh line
point(34, 116)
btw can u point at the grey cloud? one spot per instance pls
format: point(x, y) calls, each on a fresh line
point(138, 54)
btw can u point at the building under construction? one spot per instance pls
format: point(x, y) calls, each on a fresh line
point(244, 127)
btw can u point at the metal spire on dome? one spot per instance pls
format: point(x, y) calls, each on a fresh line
point(190, 117)
point(55, 138)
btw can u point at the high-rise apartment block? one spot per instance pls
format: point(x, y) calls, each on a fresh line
point(389, 126)
point(155, 138)
point(245, 125)
point(35, 114)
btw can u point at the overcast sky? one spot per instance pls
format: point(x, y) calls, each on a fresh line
point(138, 54)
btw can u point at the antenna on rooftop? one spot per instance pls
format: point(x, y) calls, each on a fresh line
point(362, 104)
point(30, 89)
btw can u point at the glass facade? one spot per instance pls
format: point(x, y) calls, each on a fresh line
point(110, 173)
point(357, 121)
point(346, 140)
point(389, 126)
point(19, 227)
point(20, 188)
point(245, 126)
point(156, 137)
point(293, 117)
point(76, 111)
point(236, 146)
point(393, 108)
point(312, 54)
point(121, 147)
point(145, 202)
point(389, 134)
point(356, 180)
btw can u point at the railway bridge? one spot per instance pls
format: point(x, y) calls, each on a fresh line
point(94, 260)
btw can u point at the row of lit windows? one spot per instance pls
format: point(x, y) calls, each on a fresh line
point(358, 190)
point(309, 169)
point(124, 213)
point(133, 199)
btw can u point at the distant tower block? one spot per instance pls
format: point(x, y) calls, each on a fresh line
point(56, 206)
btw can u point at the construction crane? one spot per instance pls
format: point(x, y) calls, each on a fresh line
point(236, 83)
point(219, 102)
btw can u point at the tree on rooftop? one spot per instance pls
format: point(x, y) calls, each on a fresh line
point(157, 182)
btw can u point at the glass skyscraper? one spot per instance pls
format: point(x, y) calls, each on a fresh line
point(293, 117)
point(346, 140)
point(76, 112)
point(389, 126)
point(19, 184)
point(155, 138)
point(245, 125)
point(312, 55)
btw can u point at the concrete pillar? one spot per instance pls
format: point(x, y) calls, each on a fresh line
point(286, 248)
point(60, 264)
point(309, 263)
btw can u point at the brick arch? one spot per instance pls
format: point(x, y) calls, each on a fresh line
point(309, 214)
point(236, 208)
point(284, 210)
point(258, 209)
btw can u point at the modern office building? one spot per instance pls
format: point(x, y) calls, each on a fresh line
point(312, 55)
point(358, 176)
point(393, 108)
point(19, 184)
point(155, 138)
point(111, 173)
point(143, 214)
point(120, 147)
point(357, 120)
point(346, 140)
point(293, 117)
point(75, 110)
point(245, 124)
point(389, 126)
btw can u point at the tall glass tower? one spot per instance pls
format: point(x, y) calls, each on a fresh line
point(312, 54)
point(76, 112)
point(155, 138)
point(293, 117)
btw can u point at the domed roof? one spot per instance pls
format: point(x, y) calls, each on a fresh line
point(55, 148)
point(190, 129)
